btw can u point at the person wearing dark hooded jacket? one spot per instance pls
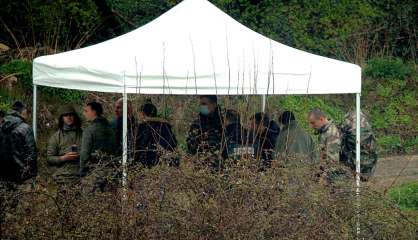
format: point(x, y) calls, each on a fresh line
point(63, 147)
point(264, 134)
point(154, 139)
point(205, 134)
point(236, 137)
point(18, 154)
point(293, 140)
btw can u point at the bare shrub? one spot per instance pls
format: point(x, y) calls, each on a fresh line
point(190, 202)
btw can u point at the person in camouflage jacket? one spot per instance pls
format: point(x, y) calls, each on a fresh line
point(368, 147)
point(63, 147)
point(329, 146)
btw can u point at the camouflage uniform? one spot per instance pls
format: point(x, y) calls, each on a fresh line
point(59, 144)
point(329, 143)
point(205, 137)
point(368, 148)
point(329, 153)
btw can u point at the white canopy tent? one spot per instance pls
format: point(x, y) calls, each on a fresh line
point(195, 48)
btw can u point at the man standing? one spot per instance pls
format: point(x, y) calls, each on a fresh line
point(97, 138)
point(63, 147)
point(205, 134)
point(368, 146)
point(155, 139)
point(18, 153)
point(264, 133)
point(329, 145)
point(117, 126)
point(329, 136)
point(236, 142)
point(293, 140)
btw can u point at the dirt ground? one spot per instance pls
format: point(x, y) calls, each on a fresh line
point(395, 170)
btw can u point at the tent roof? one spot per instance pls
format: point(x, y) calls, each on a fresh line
point(195, 48)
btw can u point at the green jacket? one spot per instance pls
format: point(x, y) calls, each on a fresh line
point(98, 137)
point(59, 144)
point(293, 140)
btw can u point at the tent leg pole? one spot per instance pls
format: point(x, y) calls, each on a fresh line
point(34, 122)
point(358, 169)
point(125, 138)
point(263, 103)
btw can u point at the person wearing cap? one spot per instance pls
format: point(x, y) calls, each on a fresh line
point(18, 153)
point(64, 145)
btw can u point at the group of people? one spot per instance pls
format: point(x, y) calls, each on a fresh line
point(75, 152)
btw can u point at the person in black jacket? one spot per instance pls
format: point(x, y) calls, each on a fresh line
point(117, 126)
point(206, 133)
point(154, 139)
point(264, 133)
point(18, 152)
point(236, 137)
point(2, 115)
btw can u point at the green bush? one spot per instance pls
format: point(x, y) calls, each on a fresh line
point(301, 105)
point(406, 196)
point(64, 95)
point(391, 85)
point(387, 69)
point(22, 69)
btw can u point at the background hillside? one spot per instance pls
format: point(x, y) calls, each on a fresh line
point(381, 36)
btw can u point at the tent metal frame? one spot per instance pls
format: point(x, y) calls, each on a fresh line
point(125, 141)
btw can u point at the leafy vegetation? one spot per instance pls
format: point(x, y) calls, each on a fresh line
point(22, 69)
point(406, 196)
point(193, 203)
point(391, 85)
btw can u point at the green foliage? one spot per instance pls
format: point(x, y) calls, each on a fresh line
point(59, 24)
point(387, 69)
point(64, 95)
point(301, 105)
point(390, 84)
point(406, 196)
point(22, 69)
point(5, 100)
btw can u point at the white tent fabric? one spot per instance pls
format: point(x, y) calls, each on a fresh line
point(195, 48)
